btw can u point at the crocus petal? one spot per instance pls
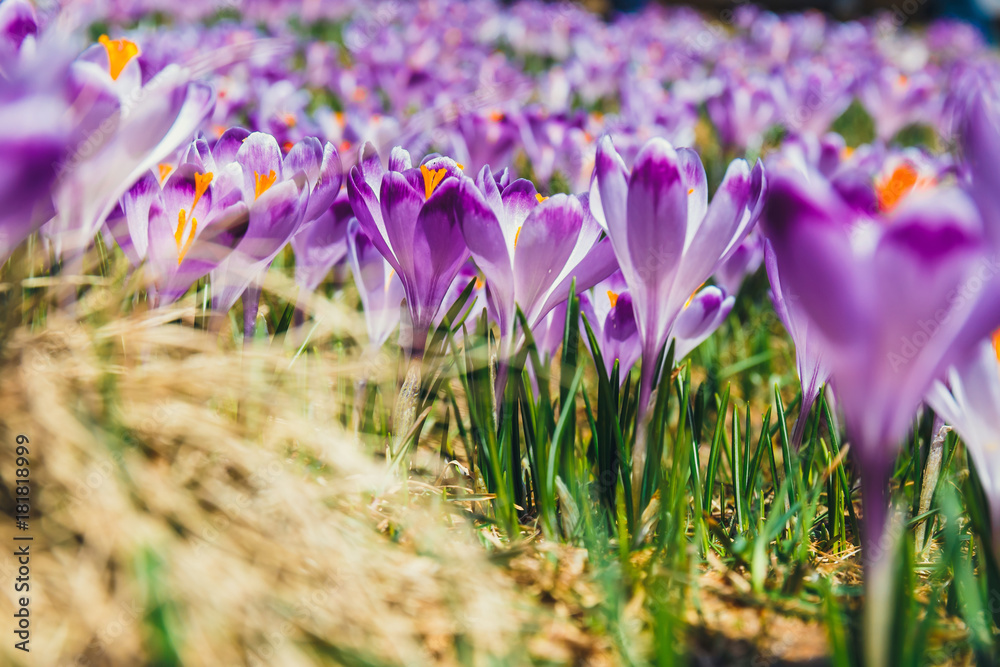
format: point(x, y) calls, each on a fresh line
point(545, 243)
point(260, 159)
point(806, 225)
point(370, 167)
point(380, 288)
point(693, 172)
point(519, 199)
point(400, 205)
point(612, 185)
point(321, 243)
point(115, 230)
point(657, 213)
point(484, 238)
point(438, 249)
point(368, 210)
point(621, 336)
point(487, 185)
point(327, 184)
point(699, 320)
point(274, 217)
point(135, 205)
point(399, 159)
point(981, 148)
point(228, 145)
point(726, 223)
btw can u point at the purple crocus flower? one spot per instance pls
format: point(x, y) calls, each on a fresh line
point(530, 248)
point(881, 298)
point(411, 215)
point(980, 141)
point(484, 137)
point(611, 317)
point(667, 237)
point(895, 99)
point(321, 244)
point(379, 285)
point(742, 263)
point(183, 228)
point(744, 110)
point(18, 22)
point(39, 124)
point(969, 400)
point(305, 183)
point(132, 137)
point(704, 312)
point(809, 352)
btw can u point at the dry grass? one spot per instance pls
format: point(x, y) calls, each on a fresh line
point(194, 505)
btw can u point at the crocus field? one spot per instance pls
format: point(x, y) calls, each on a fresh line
point(466, 333)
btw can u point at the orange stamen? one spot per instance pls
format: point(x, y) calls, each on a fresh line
point(996, 343)
point(613, 298)
point(179, 234)
point(497, 116)
point(262, 183)
point(540, 198)
point(120, 52)
point(516, 234)
point(691, 191)
point(892, 190)
point(345, 146)
point(289, 119)
point(165, 170)
point(432, 179)
point(201, 183)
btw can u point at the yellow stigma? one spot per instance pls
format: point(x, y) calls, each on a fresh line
point(460, 166)
point(540, 198)
point(289, 119)
point(179, 234)
point(846, 152)
point(120, 51)
point(432, 179)
point(691, 191)
point(165, 170)
point(613, 298)
point(516, 234)
point(479, 283)
point(996, 344)
point(388, 279)
point(201, 183)
point(262, 183)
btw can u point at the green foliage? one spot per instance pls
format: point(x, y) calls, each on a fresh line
point(855, 125)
